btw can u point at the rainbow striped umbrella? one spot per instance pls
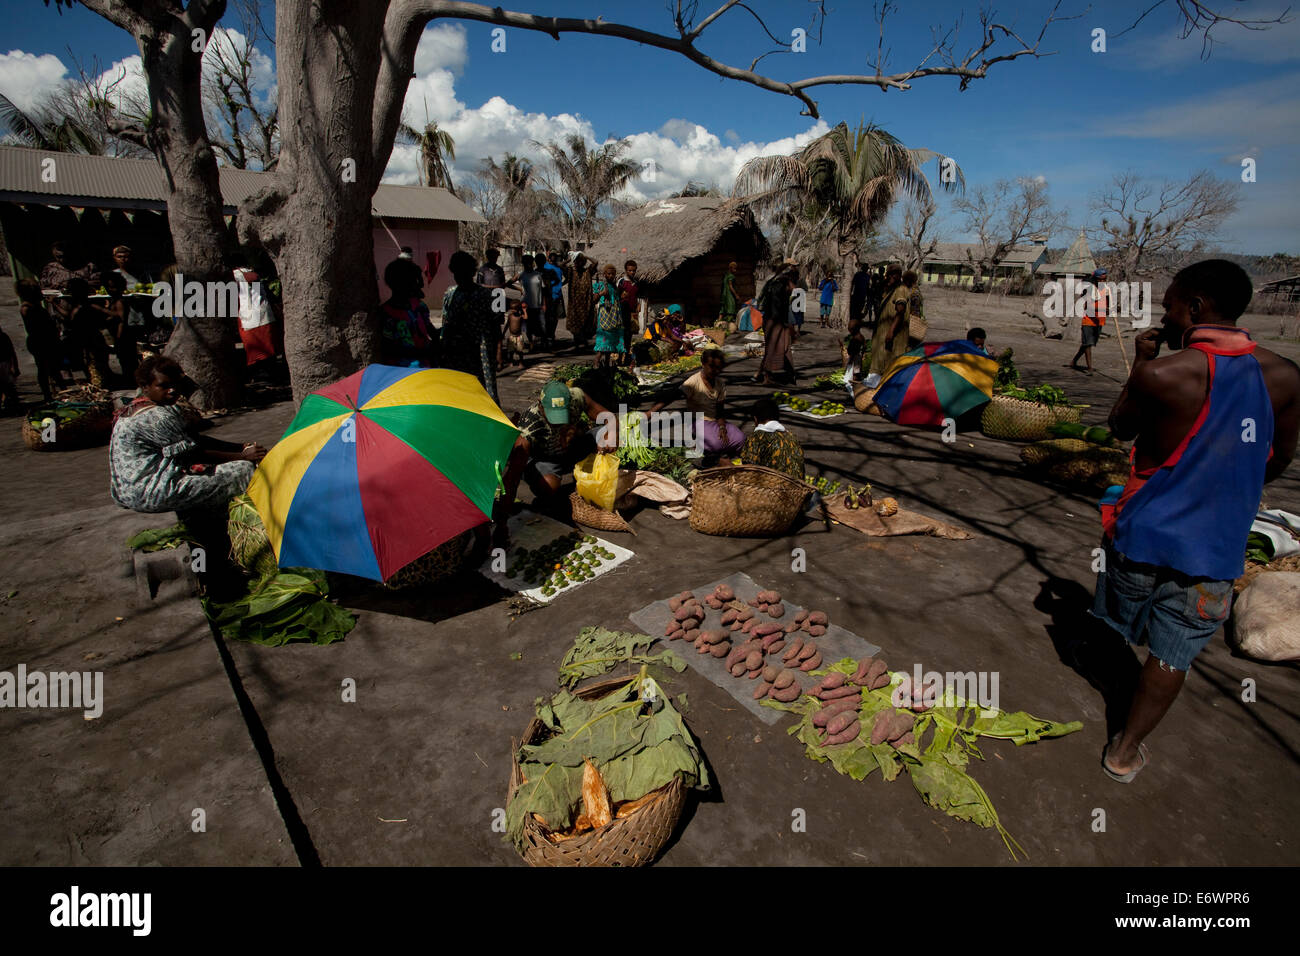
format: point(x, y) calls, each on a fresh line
point(936, 381)
point(381, 468)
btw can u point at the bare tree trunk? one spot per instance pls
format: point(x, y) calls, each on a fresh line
point(178, 137)
point(315, 218)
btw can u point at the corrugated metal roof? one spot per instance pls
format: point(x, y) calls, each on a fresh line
point(83, 180)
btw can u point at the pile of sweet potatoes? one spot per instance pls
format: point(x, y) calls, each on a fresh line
point(841, 696)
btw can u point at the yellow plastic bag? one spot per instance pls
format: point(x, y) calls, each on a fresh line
point(597, 478)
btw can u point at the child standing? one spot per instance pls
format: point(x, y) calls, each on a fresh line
point(854, 345)
point(609, 318)
point(515, 341)
point(628, 291)
point(828, 289)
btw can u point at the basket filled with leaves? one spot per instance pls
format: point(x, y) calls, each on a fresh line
point(81, 417)
point(601, 775)
point(1020, 414)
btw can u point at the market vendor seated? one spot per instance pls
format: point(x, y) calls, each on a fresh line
point(551, 441)
point(156, 465)
point(770, 445)
point(705, 394)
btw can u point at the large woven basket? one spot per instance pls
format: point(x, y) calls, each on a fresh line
point(716, 336)
point(585, 513)
point(745, 501)
point(1015, 419)
point(917, 328)
point(633, 841)
point(864, 399)
point(93, 427)
point(442, 562)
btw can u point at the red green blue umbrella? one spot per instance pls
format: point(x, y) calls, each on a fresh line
point(380, 468)
point(936, 381)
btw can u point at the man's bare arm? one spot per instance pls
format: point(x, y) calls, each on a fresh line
point(1286, 425)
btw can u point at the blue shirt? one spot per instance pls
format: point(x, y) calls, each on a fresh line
point(558, 281)
point(829, 287)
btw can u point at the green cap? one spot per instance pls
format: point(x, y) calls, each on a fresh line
point(555, 403)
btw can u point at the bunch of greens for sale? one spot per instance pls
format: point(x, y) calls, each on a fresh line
point(1008, 375)
point(830, 380)
point(160, 539)
point(1043, 394)
point(634, 447)
point(676, 366)
point(293, 605)
point(934, 749)
point(1259, 548)
point(598, 651)
point(634, 740)
point(620, 384)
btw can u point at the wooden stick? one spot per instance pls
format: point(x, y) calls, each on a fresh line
point(1119, 337)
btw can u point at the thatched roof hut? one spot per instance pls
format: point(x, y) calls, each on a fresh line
point(682, 247)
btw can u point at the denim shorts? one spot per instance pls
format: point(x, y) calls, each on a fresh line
point(825, 310)
point(1173, 614)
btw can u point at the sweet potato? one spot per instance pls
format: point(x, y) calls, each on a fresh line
point(674, 603)
point(786, 695)
point(807, 651)
point(713, 637)
point(720, 650)
point(880, 726)
point(876, 668)
point(801, 617)
point(762, 690)
point(816, 630)
point(696, 610)
point(841, 720)
point(847, 735)
point(835, 693)
point(670, 627)
point(713, 603)
point(791, 627)
point(690, 624)
point(900, 725)
point(748, 626)
point(754, 661)
point(728, 616)
point(832, 680)
point(682, 613)
point(792, 650)
point(818, 617)
point(776, 647)
point(736, 655)
point(859, 676)
point(907, 738)
point(702, 648)
point(677, 635)
point(881, 680)
point(723, 592)
point(686, 596)
point(776, 610)
point(746, 614)
point(812, 663)
point(769, 597)
point(784, 679)
point(831, 709)
point(738, 669)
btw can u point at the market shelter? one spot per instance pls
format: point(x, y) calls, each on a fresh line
point(98, 202)
point(682, 247)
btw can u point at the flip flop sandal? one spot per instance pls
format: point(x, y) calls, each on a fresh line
point(1123, 777)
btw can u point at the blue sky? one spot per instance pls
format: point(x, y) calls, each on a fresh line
point(1148, 104)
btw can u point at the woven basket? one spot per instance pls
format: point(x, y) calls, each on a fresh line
point(93, 427)
point(745, 501)
point(864, 399)
point(917, 328)
point(1015, 419)
point(584, 512)
point(716, 336)
point(633, 841)
point(442, 562)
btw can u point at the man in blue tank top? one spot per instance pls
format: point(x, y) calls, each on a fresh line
point(1212, 422)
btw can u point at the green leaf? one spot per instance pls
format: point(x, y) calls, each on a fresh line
point(1020, 727)
point(957, 794)
point(598, 651)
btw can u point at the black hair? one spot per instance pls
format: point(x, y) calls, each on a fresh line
point(29, 290)
point(1222, 282)
point(492, 255)
point(461, 263)
point(144, 372)
point(766, 410)
point(114, 279)
point(630, 262)
point(397, 275)
point(976, 333)
point(528, 261)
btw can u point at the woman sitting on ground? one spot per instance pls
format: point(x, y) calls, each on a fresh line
point(770, 445)
point(156, 465)
point(705, 394)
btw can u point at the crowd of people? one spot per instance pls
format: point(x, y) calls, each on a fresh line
point(78, 316)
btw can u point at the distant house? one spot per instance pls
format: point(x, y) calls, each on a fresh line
point(1077, 261)
point(682, 247)
point(1282, 290)
point(956, 263)
point(98, 202)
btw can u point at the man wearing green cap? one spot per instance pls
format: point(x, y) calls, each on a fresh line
point(550, 443)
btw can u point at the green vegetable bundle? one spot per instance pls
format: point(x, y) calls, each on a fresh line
point(598, 651)
point(291, 606)
point(938, 746)
point(634, 737)
point(1048, 395)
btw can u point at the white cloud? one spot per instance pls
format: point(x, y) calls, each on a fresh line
point(25, 76)
point(1163, 47)
point(442, 47)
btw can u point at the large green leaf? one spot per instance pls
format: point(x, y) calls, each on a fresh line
point(598, 651)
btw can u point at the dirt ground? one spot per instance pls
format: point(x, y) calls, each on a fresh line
point(412, 772)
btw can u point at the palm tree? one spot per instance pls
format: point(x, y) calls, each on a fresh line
point(585, 179)
point(854, 175)
point(66, 135)
point(436, 147)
